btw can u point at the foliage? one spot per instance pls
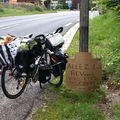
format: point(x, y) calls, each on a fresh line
point(1, 8)
point(106, 5)
point(47, 4)
point(92, 4)
point(116, 110)
point(23, 5)
point(38, 2)
point(38, 8)
point(62, 6)
point(104, 43)
point(59, 6)
point(26, 6)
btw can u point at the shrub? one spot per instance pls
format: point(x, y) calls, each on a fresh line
point(26, 6)
point(38, 8)
point(60, 6)
point(1, 8)
point(105, 5)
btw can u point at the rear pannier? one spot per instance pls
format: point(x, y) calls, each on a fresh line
point(54, 41)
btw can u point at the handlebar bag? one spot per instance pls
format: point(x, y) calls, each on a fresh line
point(55, 41)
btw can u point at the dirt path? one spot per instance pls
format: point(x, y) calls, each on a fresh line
point(112, 98)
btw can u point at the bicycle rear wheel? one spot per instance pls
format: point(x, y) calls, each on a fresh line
point(56, 79)
point(12, 83)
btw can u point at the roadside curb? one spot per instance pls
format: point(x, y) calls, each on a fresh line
point(69, 36)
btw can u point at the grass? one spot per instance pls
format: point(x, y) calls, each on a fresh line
point(21, 9)
point(104, 43)
point(67, 105)
point(116, 110)
point(18, 12)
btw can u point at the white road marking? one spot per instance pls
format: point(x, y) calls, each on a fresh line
point(7, 27)
point(68, 24)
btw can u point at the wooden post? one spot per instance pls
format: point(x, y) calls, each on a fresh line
point(84, 25)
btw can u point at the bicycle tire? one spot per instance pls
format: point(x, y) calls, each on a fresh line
point(57, 81)
point(3, 85)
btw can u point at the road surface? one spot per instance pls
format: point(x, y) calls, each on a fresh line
point(37, 24)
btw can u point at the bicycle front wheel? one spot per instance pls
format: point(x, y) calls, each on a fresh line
point(12, 83)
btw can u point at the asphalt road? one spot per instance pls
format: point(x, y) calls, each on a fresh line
point(37, 24)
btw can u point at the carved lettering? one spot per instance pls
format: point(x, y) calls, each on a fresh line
point(83, 75)
point(83, 66)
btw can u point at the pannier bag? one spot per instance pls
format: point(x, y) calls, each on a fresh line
point(24, 61)
point(44, 75)
point(56, 70)
point(55, 41)
point(58, 56)
point(8, 52)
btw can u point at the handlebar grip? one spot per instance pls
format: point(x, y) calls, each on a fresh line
point(11, 35)
point(59, 30)
point(40, 38)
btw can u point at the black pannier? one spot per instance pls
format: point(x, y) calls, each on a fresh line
point(58, 56)
point(44, 75)
point(54, 41)
point(24, 61)
point(56, 70)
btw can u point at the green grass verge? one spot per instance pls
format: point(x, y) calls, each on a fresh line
point(67, 105)
point(18, 12)
point(116, 110)
point(21, 9)
point(104, 42)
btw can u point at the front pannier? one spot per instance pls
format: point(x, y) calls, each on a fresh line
point(24, 61)
point(54, 41)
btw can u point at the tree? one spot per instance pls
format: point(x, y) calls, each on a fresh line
point(105, 5)
point(92, 4)
point(47, 3)
point(38, 2)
